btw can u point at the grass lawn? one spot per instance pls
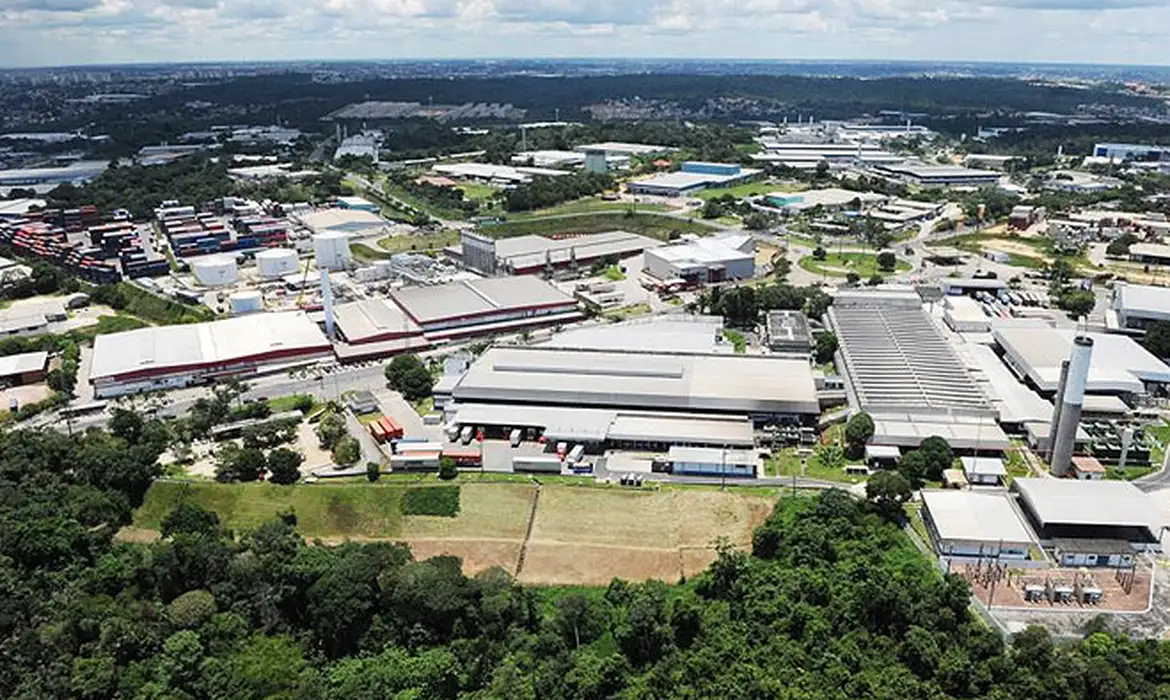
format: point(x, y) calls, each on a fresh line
point(740, 191)
point(365, 253)
point(841, 264)
point(613, 273)
point(322, 510)
point(433, 241)
point(425, 406)
point(787, 463)
point(477, 192)
point(628, 312)
point(281, 404)
point(584, 206)
point(429, 208)
point(652, 225)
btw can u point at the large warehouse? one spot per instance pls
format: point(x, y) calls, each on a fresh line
point(480, 307)
point(1119, 364)
point(168, 357)
point(693, 177)
point(525, 255)
point(1090, 510)
point(765, 388)
point(902, 371)
point(973, 524)
point(1136, 306)
point(704, 260)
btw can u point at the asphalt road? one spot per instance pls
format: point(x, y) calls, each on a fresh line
point(1158, 480)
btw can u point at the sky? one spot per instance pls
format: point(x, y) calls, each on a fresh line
point(69, 32)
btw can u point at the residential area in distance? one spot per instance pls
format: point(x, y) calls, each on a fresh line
point(626, 340)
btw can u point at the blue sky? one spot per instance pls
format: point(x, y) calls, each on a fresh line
point(56, 32)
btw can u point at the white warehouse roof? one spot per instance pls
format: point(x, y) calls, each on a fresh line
point(729, 383)
point(197, 346)
point(22, 364)
point(975, 517)
point(1084, 502)
point(1119, 364)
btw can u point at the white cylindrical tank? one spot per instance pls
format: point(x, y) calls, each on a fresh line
point(331, 250)
point(215, 270)
point(246, 302)
point(276, 262)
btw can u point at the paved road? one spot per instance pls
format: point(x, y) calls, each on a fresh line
point(1158, 480)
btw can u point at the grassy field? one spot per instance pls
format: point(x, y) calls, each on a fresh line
point(841, 264)
point(365, 253)
point(580, 536)
point(737, 341)
point(434, 241)
point(787, 463)
point(627, 312)
point(652, 225)
point(584, 206)
point(322, 510)
point(740, 191)
point(477, 192)
point(421, 204)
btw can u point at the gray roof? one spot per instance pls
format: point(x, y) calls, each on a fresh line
point(477, 297)
point(370, 318)
point(985, 466)
point(1085, 502)
point(692, 429)
point(1119, 364)
point(523, 252)
point(1143, 300)
point(788, 328)
point(971, 516)
point(21, 364)
point(732, 383)
point(668, 333)
point(897, 360)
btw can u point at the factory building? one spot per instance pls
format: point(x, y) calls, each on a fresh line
point(828, 199)
point(1131, 151)
point(485, 306)
point(169, 357)
point(615, 148)
point(806, 156)
point(352, 222)
point(938, 175)
point(1120, 366)
point(495, 174)
point(788, 332)
point(26, 368)
point(526, 255)
point(704, 260)
point(1134, 307)
point(692, 177)
point(973, 524)
point(1074, 509)
point(712, 461)
point(765, 388)
point(900, 369)
point(1150, 253)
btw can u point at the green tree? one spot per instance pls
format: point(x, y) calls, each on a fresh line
point(1119, 247)
point(447, 469)
point(889, 490)
point(914, 466)
point(373, 471)
point(330, 429)
point(234, 463)
point(284, 466)
point(579, 619)
point(826, 347)
point(191, 609)
point(887, 261)
point(1077, 302)
point(409, 376)
point(875, 280)
point(819, 253)
point(816, 303)
point(347, 451)
point(189, 518)
point(859, 430)
point(1157, 339)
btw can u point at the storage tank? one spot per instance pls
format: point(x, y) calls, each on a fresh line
point(246, 302)
point(276, 262)
point(215, 270)
point(332, 250)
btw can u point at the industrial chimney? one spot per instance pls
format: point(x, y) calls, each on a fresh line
point(1072, 398)
point(327, 301)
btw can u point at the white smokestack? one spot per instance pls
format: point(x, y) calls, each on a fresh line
point(327, 300)
point(1072, 399)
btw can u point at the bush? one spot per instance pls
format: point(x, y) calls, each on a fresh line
point(409, 376)
point(347, 451)
point(887, 261)
point(284, 466)
point(373, 471)
point(191, 609)
point(447, 469)
point(442, 501)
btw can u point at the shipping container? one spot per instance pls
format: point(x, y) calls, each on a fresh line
point(393, 428)
point(464, 458)
point(576, 454)
point(465, 435)
point(536, 463)
point(415, 461)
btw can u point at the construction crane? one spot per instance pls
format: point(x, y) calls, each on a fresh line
point(304, 282)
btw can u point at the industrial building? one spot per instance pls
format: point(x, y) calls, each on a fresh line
point(1090, 510)
point(168, 357)
point(1150, 253)
point(1120, 366)
point(25, 368)
point(525, 255)
point(485, 306)
point(549, 159)
point(704, 260)
point(614, 148)
point(788, 332)
point(973, 524)
point(667, 333)
point(331, 250)
point(495, 174)
point(352, 222)
point(806, 156)
point(938, 175)
point(986, 471)
point(965, 315)
point(1134, 307)
point(712, 461)
point(766, 388)
point(828, 199)
point(902, 371)
point(375, 328)
point(1131, 151)
point(692, 177)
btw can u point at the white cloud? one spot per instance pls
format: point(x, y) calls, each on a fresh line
point(36, 32)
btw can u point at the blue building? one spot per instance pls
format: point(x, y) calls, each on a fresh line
point(1131, 151)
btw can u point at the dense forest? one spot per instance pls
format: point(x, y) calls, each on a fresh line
point(832, 602)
